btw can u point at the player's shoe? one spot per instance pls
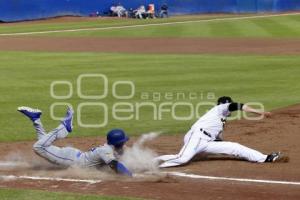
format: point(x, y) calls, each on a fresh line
point(273, 157)
point(31, 113)
point(68, 120)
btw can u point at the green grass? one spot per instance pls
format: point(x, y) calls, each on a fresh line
point(95, 22)
point(278, 27)
point(270, 27)
point(20, 194)
point(25, 79)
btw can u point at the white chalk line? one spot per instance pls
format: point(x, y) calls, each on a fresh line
point(194, 176)
point(13, 177)
point(179, 174)
point(147, 25)
point(11, 164)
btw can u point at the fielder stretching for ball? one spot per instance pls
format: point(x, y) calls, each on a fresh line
point(68, 156)
point(205, 136)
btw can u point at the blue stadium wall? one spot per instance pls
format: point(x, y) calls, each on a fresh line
point(16, 10)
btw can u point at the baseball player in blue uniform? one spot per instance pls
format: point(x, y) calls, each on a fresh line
point(205, 136)
point(107, 154)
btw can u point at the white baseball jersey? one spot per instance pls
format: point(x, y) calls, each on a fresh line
point(213, 121)
point(196, 141)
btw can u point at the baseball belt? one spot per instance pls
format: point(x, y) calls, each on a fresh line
point(205, 133)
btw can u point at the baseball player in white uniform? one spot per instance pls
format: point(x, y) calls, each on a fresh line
point(205, 136)
point(107, 154)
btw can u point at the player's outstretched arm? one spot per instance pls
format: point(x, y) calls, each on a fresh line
point(119, 168)
point(247, 108)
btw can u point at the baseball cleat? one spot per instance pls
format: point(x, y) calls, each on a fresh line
point(273, 157)
point(68, 120)
point(31, 113)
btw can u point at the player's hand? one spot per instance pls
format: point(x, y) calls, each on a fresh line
point(267, 114)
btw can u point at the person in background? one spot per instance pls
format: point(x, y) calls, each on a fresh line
point(140, 12)
point(151, 11)
point(118, 10)
point(164, 11)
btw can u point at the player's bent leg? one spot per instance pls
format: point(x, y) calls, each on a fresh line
point(44, 148)
point(64, 157)
point(48, 139)
point(165, 157)
point(187, 152)
point(169, 157)
point(64, 128)
point(57, 133)
point(235, 149)
point(178, 160)
point(35, 116)
point(40, 131)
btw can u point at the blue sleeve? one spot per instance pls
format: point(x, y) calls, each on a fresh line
point(119, 168)
point(123, 170)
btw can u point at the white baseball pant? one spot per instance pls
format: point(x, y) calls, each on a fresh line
point(194, 144)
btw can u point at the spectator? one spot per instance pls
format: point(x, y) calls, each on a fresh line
point(131, 13)
point(151, 11)
point(118, 10)
point(164, 11)
point(140, 12)
point(113, 10)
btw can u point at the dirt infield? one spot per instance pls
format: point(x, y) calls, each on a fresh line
point(152, 45)
point(278, 133)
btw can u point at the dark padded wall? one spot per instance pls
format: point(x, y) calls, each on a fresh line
point(13, 10)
